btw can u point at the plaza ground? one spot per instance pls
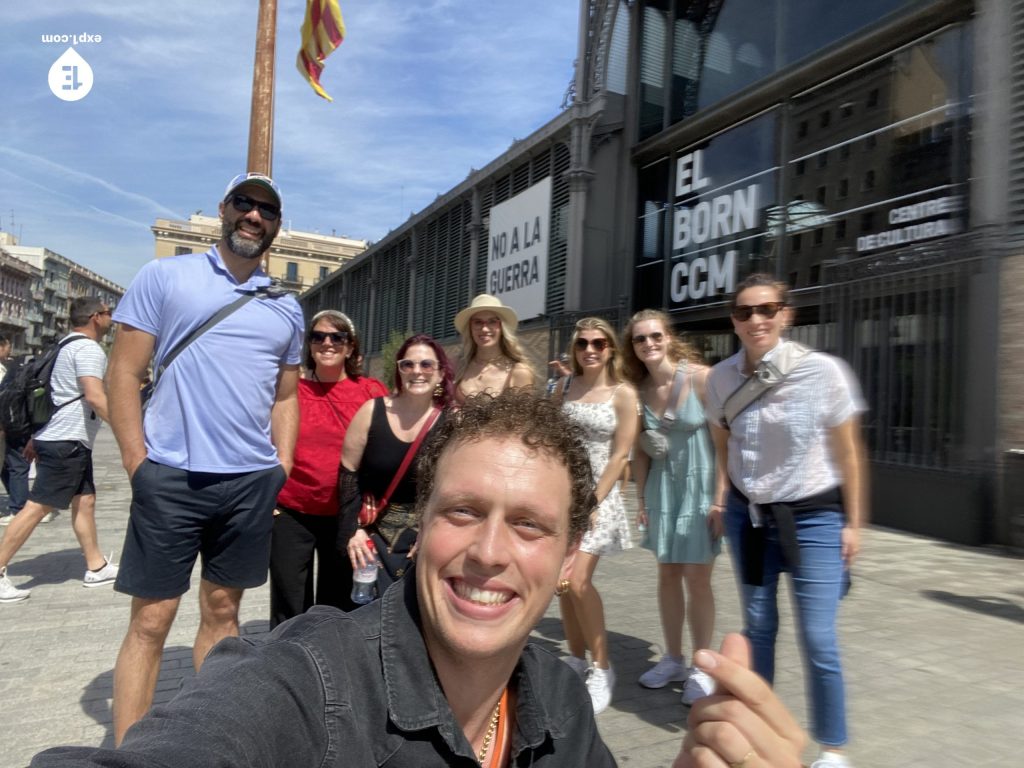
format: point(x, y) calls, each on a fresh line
point(932, 635)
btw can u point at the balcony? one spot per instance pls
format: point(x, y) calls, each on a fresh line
point(13, 321)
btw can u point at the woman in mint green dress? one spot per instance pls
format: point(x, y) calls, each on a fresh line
point(674, 493)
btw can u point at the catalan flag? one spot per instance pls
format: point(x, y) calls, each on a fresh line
point(322, 32)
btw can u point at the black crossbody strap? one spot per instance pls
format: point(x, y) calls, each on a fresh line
point(183, 344)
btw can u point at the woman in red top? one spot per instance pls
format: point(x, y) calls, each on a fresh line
point(306, 517)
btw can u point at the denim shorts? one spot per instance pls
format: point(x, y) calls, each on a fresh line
point(63, 471)
point(226, 519)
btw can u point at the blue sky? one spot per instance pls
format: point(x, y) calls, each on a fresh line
point(423, 92)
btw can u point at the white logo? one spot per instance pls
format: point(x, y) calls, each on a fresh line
point(70, 76)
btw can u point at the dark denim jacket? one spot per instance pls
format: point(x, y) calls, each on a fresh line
point(355, 690)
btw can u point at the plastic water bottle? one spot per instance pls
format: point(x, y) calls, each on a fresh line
point(364, 580)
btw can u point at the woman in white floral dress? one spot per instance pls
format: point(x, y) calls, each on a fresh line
point(605, 407)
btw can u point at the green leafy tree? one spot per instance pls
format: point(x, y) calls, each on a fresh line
point(387, 356)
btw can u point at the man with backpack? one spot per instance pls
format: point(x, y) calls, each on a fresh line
point(62, 447)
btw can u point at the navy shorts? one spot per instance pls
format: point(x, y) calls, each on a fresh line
point(177, 515)
point(63, 471)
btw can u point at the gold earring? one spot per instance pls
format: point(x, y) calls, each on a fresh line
point(438, 391)
point(562, 588)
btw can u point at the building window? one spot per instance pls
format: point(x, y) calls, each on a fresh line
point(823, 159)
point(872, 100)
point(825, 118)
point(181, 250)
point(292, 272)
point(844, 151)
point(822, 194)
point(799, 167)
point(815, 276)
point(869, 181)
point(324, 271)
point(844, 188)
point(795, 243)
point(819, 236)
point(846, 110)
point(801, 130)
point(867, 221)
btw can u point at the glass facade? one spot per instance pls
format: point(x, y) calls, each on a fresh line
point(865, 164)
point(878, 159)
point(697, 53)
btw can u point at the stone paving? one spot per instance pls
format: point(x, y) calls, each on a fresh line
point(933, 639)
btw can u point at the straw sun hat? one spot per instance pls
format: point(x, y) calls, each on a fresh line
point(486, 303)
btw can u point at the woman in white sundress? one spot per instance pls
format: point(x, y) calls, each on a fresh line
point(605, 407)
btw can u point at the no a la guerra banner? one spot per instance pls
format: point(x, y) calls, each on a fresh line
point(517, 251)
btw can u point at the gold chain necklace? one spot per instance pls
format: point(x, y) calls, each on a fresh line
point(491, 728)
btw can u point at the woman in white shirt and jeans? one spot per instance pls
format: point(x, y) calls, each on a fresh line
point(792, 477)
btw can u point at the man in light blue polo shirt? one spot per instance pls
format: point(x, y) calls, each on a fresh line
point(216, 443)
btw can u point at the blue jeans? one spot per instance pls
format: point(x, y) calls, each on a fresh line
point(14, 475)
point(817, 587)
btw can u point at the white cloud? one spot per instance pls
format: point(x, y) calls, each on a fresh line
point(423, 92)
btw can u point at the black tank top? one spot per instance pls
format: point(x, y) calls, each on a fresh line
point(383, 455)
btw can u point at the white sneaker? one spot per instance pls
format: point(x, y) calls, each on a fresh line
point(6, 518)
point(698, 685)
point(577, 665)
point(600, 683)
point(104, 575)
point(669, 669)
point(48, 517)
point(10, 593)
point(829, 759)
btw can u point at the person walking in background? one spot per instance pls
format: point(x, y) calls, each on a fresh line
point(492, 359)
point(605, 407)
point(14, 472)
point(674, 489)
point(380, 437)
point(216, 444)
point(63, 448)
point(792, 469)
point(306, 517)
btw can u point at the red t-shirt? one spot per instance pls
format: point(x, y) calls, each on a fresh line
point(325, 411)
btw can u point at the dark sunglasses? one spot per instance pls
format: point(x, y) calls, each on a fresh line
point(769, 309)
point(408, 366)
point(336, 337)
point(244, 204)
point(599, 344)
point(656, 337)
point(104, 312)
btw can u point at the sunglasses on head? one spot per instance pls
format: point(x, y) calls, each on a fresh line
point(656, 337)
point(336, 337)
point(598, 344)
point(408, 366)
point(244, 204)
point(746, 311)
